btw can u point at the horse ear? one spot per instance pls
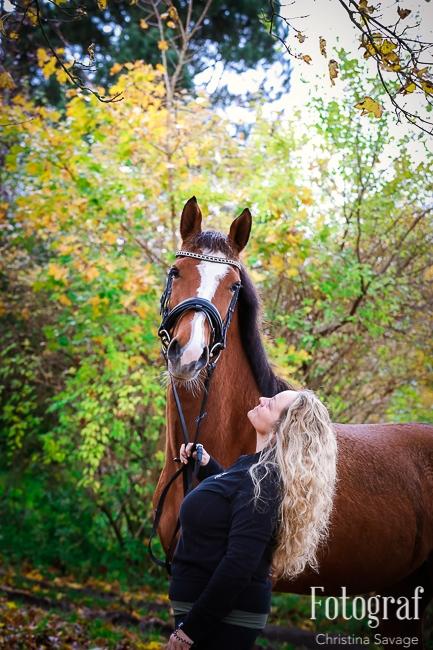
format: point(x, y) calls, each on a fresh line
point(190, 221)
point(240, 230)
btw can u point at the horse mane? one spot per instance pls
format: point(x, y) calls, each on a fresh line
point(249, 314)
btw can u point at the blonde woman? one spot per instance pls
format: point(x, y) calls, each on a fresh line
point(265, 514)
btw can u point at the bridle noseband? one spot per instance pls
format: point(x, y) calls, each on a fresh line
point(219, 330)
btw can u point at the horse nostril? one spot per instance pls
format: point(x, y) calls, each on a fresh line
point(173, 350)
point(204, 359)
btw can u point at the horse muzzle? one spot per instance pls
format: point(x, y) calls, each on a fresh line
point(184, 371)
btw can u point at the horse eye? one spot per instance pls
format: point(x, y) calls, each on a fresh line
point(174, 271)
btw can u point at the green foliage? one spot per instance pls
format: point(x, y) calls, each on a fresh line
point(340, 252)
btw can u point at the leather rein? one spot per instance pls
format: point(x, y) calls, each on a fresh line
point(218, 329)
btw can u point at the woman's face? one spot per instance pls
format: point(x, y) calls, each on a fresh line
point(269, 409)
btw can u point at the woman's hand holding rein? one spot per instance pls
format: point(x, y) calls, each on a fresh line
point(186, 453)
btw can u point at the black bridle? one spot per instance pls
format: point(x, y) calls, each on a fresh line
point(218, 329)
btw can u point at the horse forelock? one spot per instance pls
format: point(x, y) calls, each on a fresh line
point(212, 240)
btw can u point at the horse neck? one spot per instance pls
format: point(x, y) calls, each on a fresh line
point(225, 432)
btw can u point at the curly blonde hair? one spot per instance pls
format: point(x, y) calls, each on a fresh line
point(302, 454)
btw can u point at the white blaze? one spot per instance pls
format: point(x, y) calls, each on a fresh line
point(211, 274)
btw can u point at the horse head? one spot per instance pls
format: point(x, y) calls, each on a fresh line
point(201, 292)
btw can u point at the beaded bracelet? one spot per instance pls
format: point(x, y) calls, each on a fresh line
point(179, 638)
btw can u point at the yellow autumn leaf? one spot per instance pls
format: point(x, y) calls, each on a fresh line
point(6, 80)
point(365, 8)
point(333, 70)
point(91, 273)
point(300, 36)
point(172, 12)
point(272, 237)
point(306, 196)
point(322, 45)
point(277, 263)
point(171, 24)
point(57, 272)
point(427, 87)
point(64, 300)
point(142, 310)
point(369, 105)
point(409, 88)
point(102, 4)
point(115, 68)
point(110, 237)
point(50, 67)
point(42, 56)
point(34, 574)
point(61, 75)
point(390, 67)
point(144, 24)
point(162, 45)
point(32, 16)
point(127, 300)
point(96, 303)
point(307, 58)
point(152, 645)
point(387, 47)
point(291, 272)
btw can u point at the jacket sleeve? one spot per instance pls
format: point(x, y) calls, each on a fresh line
point(251, 530)
point(213, 467)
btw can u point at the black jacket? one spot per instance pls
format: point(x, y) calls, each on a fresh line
point(223, 555)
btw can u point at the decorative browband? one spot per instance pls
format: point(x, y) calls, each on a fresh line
point(209, 258)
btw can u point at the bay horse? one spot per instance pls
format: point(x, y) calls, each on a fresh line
point(381, 530)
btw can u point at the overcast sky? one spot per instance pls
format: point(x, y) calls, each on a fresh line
point(328, 19)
